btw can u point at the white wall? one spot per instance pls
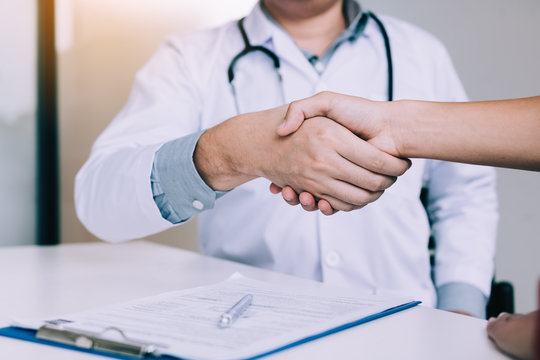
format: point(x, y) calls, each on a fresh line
point(17, 121)
point(496, 49)
point(101, 44)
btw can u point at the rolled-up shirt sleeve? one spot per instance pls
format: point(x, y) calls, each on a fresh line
point(178, 190)
point(463, 297)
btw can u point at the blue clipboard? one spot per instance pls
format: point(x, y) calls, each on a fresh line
point(30, 335)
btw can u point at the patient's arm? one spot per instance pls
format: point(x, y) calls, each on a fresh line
point(502, 133)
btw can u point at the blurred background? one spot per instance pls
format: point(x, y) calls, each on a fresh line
point(101, 44)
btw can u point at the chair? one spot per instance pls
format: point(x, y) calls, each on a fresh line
point(501, 298)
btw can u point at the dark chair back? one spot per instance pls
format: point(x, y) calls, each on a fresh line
point(501, 298)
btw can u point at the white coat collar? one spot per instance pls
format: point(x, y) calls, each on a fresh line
point(259, 28)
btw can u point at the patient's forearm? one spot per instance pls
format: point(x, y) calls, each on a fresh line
point(499, 133)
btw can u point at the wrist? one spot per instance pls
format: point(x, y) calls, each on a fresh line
point(214, 159)
point(237, 150)
point(385, 129)
point(399, 121)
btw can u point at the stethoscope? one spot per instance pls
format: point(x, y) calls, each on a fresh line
point(248, 48)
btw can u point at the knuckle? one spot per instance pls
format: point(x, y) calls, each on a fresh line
point(324, 135)
point(384, 182)
point(294, 105)
point(324, 94)
point(320, 165)
point(312, 186)
point(378, 164)
point(378, 183)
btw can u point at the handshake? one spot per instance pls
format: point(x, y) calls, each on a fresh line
point(337, 152)
point(371, 154)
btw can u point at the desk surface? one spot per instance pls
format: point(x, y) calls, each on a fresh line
point(38, 282)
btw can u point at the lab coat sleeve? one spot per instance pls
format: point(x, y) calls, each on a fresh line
point(462, 205)
point(113, 193)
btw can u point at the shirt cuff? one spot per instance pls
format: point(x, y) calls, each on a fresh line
point(462, 297)
point(178, 190)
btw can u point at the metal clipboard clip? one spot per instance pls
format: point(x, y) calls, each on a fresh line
point(86, 340)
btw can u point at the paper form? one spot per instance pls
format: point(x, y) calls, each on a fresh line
point(185, 323)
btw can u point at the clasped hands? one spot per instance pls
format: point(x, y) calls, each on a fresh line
point(335, 151)
point(376, 155)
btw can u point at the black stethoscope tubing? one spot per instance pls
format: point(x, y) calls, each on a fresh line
point(248, 48)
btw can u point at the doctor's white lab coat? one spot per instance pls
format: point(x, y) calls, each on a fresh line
point(381, 248)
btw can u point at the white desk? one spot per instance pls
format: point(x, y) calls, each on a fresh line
point(38, 282)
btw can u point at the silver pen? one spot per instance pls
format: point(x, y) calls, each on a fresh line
point(231, 315)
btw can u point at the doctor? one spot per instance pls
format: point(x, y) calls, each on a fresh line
point(155, 166)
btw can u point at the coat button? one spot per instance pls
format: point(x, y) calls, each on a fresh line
point(332, 259)
point(197, 204)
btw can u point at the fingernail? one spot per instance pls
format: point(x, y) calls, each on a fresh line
point(491, 319)
point(282, 125)
point(501, 314)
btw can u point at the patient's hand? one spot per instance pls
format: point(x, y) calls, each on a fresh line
point(513, 333)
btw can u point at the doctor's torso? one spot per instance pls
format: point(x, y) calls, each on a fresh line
point(381, 248)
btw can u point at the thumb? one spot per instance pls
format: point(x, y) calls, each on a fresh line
point(300, 110)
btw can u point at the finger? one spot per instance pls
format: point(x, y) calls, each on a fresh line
point(492, 326)
point(369, 157)
point(300, 110)
point(326, 208)
point(308, 201)
point(290, 196)
point(347, 171)
point(365, 179)
point(335, 205)
point(349, 197)
point(275, 189)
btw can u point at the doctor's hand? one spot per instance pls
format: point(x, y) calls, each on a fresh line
point(321, 157)
point(368, 119)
